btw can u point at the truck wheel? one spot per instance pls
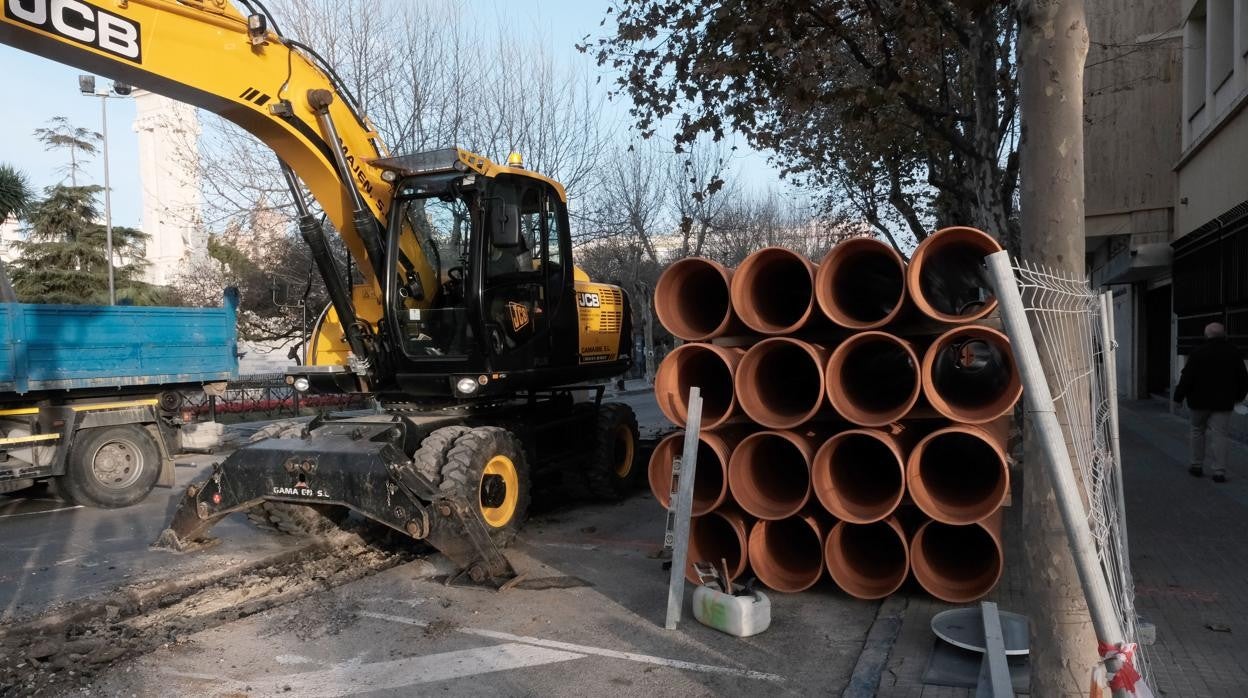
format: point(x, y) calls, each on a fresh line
point(111, 467)
point(612, 471)
point(487, 467)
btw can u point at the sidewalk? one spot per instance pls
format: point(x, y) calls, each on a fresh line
point(1189, 556)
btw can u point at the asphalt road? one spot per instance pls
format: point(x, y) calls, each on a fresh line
point(595, 629)
point(54, 552)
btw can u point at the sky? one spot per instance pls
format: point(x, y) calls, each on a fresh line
point(50, 89)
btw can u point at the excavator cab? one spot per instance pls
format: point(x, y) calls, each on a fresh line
point(499, 310)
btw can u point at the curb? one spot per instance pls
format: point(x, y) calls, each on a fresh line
point(864, 682)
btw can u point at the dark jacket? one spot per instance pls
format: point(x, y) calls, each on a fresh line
point(1214, 377)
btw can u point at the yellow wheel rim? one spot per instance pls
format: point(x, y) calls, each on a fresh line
point(502, 467)
point(625, 465)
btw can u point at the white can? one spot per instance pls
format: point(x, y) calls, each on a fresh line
point(742, 616)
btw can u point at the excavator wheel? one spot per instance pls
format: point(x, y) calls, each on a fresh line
point(284, 517)
point(612, 471)
point(431, 455)
point(486, 466)
point(297, 519)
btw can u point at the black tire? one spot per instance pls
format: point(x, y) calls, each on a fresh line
point(110, 467)
point(431, 455)
point(285, 517)
point(297, 519)
point(464, 474)
point(612, 472)
point(285, 429)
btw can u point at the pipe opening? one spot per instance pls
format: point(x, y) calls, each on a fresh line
point(954, 280)
point(713, 538)
point(709, 487)
point(864, 480)
point(779, 291)
point(878, 375)
point(787, 555)
point(782, 384)
point(867, 286)
point(961, 478)
point(868, 561)
point(973, 373)
point(693, 365)
point(694, 301)
point(769, 476)
point(956, 563)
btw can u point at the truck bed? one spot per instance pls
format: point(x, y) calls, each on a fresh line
point(75, 347)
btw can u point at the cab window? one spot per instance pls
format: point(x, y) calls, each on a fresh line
point(505, 262)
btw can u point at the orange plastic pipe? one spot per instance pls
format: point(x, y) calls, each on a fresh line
point(946, 278)
point(773, 291)
point(959, 474)
point(780, 382)
point(958, 564)
point(861, 284)
point(769, 473)
point(787, 555)
point(693, 300)
point(710, 483)
point(969, 375)
point(711, 368)
point(722, 534)
point(859, 475)
point(868, 561)
point(873, 379)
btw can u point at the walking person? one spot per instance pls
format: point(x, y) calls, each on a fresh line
point(1213, 380)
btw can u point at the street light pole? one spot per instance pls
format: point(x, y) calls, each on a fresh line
point(86, 85)
point(108, 203)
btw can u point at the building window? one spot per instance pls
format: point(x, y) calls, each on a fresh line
point(1194, 62)
point(1211, 279)
point(1221, 41)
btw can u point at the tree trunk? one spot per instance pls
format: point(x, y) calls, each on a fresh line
point(1053, 42)
point(647, 328)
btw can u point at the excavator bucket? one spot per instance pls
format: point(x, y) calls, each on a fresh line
point(356, 464)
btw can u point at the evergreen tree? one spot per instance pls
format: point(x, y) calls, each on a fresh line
point(15, 194)
point(80, 142)
point(63, 258)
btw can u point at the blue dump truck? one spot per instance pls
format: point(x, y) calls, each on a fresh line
point(89, 395)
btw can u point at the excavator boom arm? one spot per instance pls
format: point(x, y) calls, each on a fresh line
point(208, 54)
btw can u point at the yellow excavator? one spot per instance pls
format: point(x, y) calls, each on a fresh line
point(459, 309)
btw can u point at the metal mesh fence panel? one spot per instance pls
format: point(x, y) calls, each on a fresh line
point(1072, 331)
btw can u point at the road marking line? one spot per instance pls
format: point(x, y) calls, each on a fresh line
point(32, 513)
point(583, 649)
point(353, 676)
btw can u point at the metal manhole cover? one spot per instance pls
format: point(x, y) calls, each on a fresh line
point(964, 627)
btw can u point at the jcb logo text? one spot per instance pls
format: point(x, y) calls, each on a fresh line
point(81, 22)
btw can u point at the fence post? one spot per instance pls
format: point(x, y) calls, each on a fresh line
point(1040, 407)
point(1111, 387)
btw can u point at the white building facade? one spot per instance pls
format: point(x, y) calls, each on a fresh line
point(168, 134)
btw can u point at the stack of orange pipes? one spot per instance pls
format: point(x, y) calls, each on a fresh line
point(855, 415)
